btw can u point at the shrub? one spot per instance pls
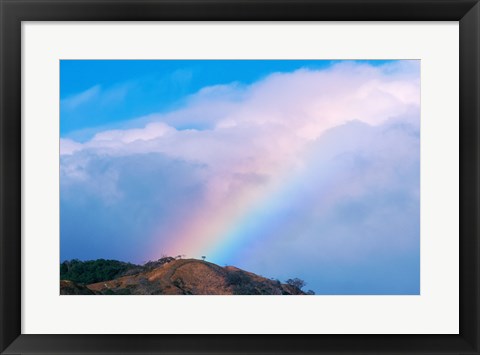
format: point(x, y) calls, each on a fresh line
point(92, 271)
point(296, 282)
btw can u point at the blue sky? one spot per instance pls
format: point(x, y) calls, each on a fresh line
point(306, 169)
point(105, 93)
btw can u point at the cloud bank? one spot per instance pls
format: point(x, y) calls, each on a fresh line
point(310, 174)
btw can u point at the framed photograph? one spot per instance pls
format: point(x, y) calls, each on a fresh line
point(239, 177)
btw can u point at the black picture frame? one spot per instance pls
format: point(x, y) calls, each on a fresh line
point(13, 12)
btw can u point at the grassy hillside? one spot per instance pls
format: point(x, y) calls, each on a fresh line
point(168, 276)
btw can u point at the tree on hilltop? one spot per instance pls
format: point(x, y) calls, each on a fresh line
point(296, 282)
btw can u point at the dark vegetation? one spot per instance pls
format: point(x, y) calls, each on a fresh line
point(296, 282)
point(87, 272)
point(244, 284)
point(92, 271)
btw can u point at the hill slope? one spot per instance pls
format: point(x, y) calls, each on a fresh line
point(185, 277)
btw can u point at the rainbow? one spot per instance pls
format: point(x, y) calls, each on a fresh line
point(252, 214)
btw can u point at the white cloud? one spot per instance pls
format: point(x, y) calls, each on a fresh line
point(69, 146)
point(96, 95)
point(274, 118)
point(76, 100)
point(352, 222)
point(150, 132)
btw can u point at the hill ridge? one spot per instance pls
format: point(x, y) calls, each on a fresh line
point(170, 276)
